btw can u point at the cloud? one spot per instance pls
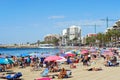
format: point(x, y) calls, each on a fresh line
point(81, 23)
point(56, 17)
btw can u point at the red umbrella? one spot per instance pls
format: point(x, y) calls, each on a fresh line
point(70, 54)
point(52, 58)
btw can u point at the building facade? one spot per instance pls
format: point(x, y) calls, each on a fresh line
point(71, 36)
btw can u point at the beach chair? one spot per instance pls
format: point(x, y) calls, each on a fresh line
point(45, 72)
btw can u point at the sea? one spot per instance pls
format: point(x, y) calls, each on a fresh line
point(18, 51)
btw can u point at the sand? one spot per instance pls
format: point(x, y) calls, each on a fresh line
point(79, 73)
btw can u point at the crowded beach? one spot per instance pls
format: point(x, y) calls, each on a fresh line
point(87, 63)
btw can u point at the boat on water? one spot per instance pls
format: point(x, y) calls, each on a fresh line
point(47, 46)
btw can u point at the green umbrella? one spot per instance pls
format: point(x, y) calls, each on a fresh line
point(10, 60)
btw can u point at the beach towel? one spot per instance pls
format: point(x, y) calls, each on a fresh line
point(14, 76)
point(45, 78)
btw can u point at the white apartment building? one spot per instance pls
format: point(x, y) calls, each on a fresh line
point(70, 33)
point(74, 32)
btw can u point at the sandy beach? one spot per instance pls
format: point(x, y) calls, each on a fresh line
point(79, 73)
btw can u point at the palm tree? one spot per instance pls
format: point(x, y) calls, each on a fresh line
point(75, 40)
point(55, 41)
point(66, 39)
point(38, 42)
point(90, 40)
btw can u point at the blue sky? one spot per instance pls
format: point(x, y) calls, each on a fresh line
point(24, 21)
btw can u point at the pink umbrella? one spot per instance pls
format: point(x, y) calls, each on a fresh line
point(45, 78)
point(84, 51)
point(52, 58)
point(62, 59)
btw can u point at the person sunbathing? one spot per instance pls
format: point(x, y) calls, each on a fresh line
point(55, 69)
point(62, 73)
point(94, 69)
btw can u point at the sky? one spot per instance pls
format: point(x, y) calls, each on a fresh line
point(24, 21)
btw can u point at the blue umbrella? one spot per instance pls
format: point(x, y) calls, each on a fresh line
point(4, 61)
point(24, 54)
point(63, 54)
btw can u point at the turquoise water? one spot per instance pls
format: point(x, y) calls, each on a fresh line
point(17, 51)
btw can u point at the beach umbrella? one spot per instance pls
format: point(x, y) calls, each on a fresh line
point(107, 52)
point(6, 61)
point(62, 54)
point(10, 60)
point(75, 51)
point(3, 61)
point(24, 55)
point(52, 58)
point(78, 52)
point(84, 51)
point(93, 50)
point(62, 59)
point(70, 54)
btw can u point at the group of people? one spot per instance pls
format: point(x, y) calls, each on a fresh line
point(53, 66)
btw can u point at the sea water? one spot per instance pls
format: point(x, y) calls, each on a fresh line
point(17, 51)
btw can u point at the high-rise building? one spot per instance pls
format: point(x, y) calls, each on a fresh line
point(70, 34)
point(74, 32)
